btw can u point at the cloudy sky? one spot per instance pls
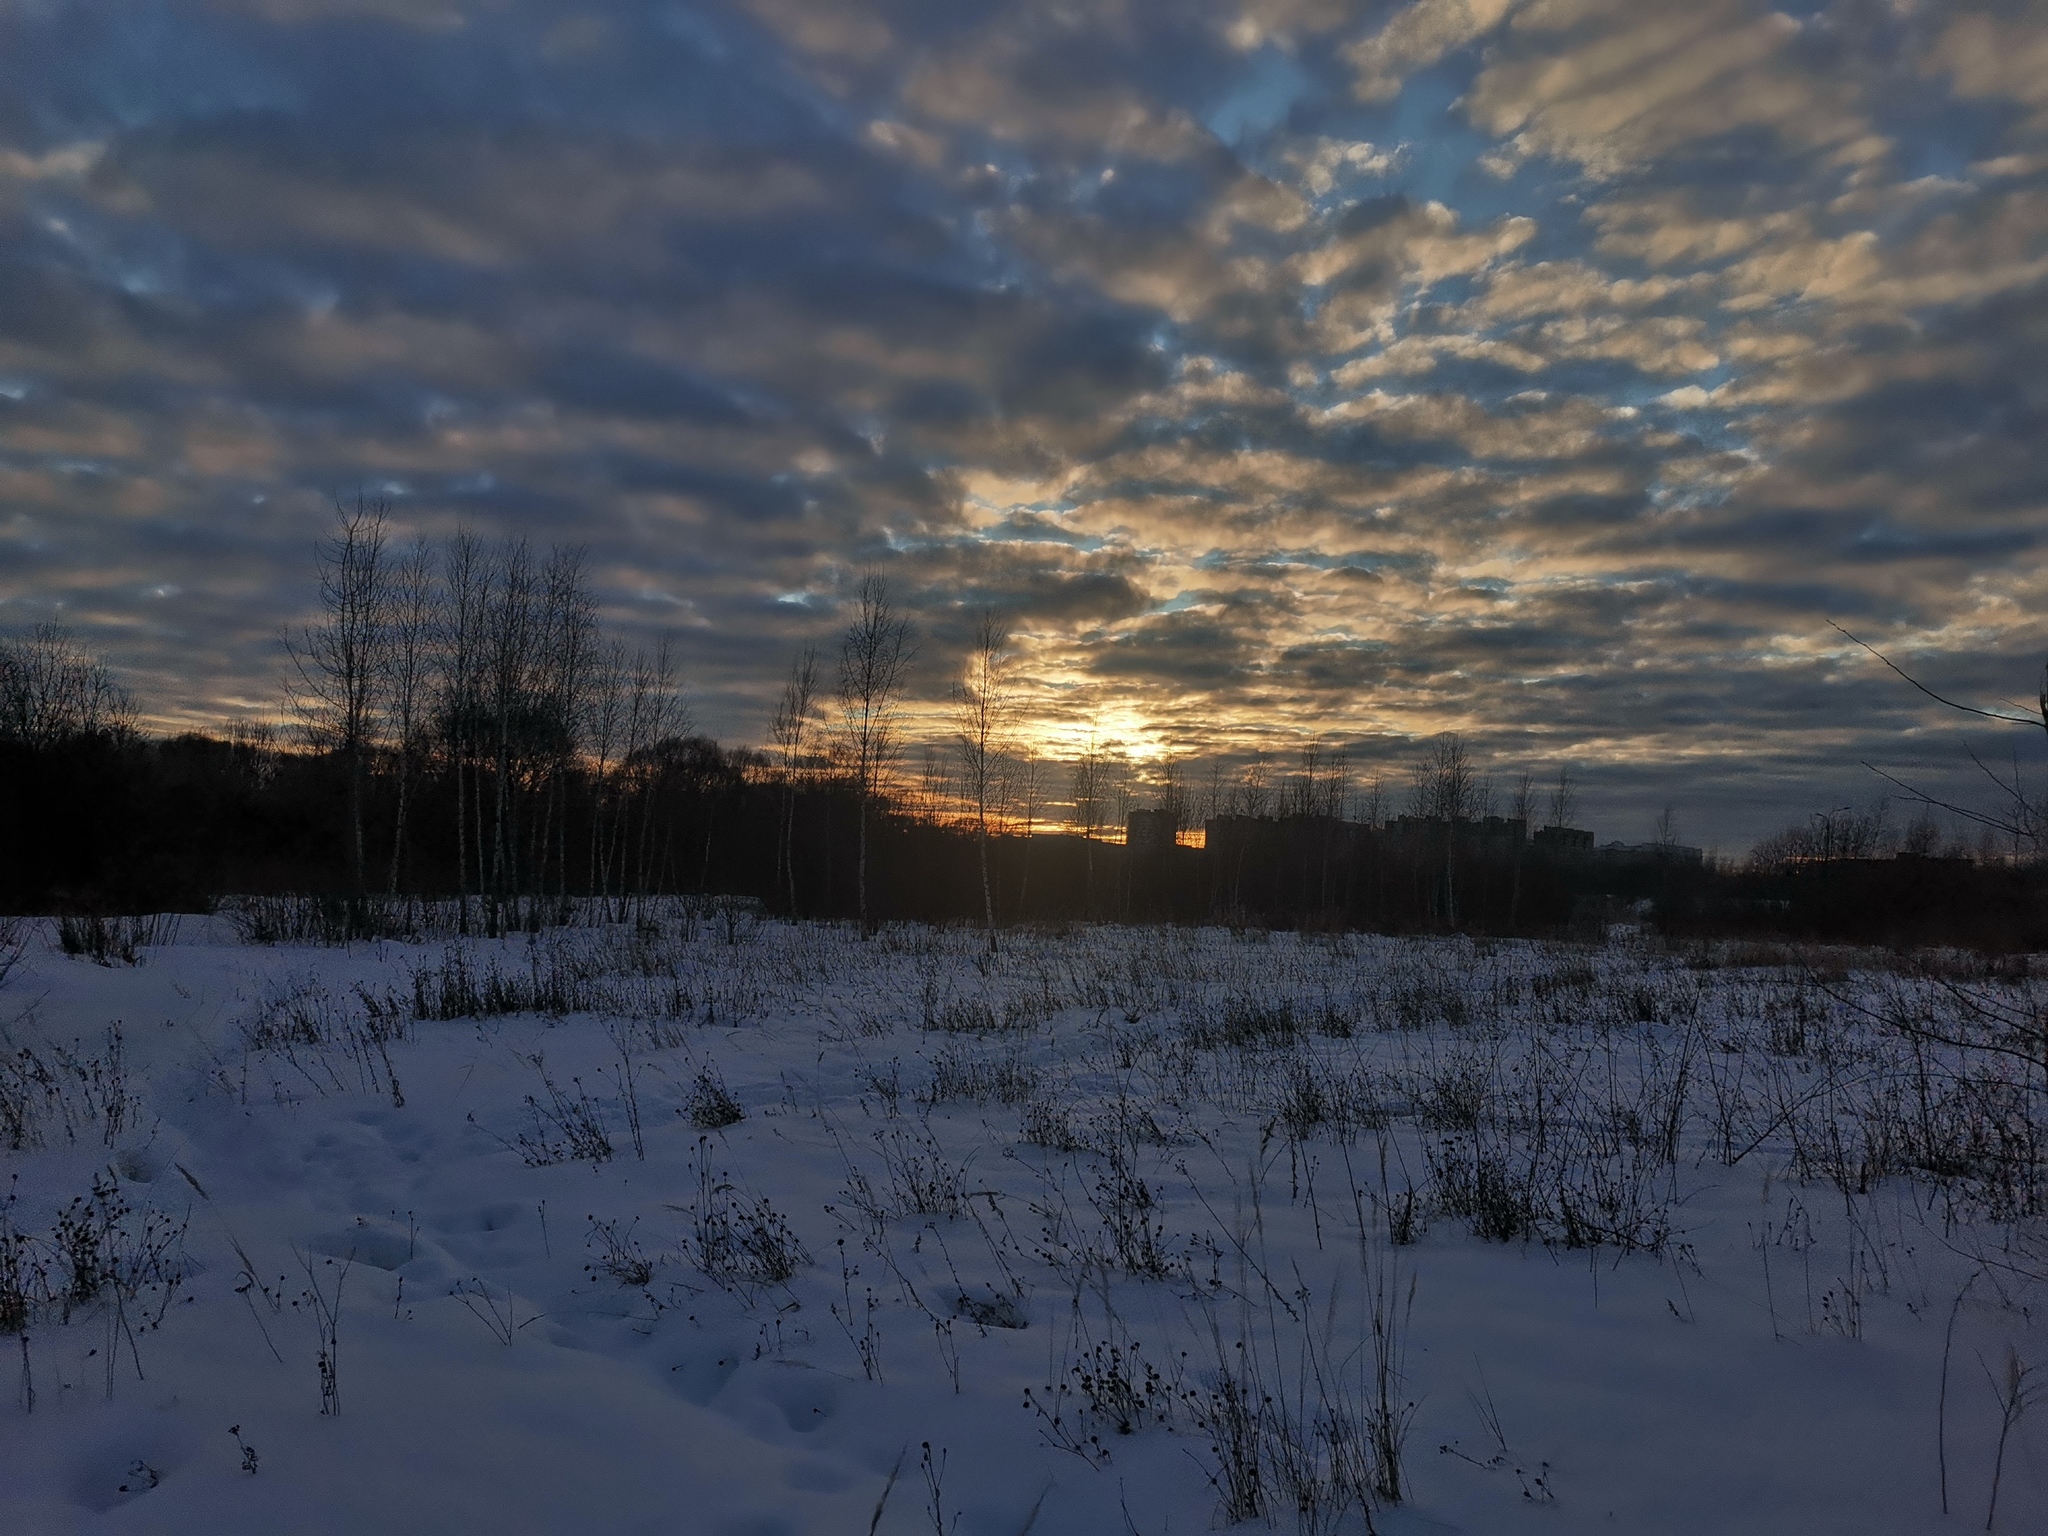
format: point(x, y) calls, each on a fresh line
point(1548, 370)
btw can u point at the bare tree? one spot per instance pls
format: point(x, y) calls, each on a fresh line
point(1089, 792)
point(52, 690)
point(981, 709)
point(1121, 796)
point(337, 666)
point(568, 657)
point(1922, 837)
point(787, 728)
point(468, 583)
point(1336, 783)
point(1445, 789)
point(1085, 790)
point(934, 785)
point(1255, 788)
point(1845, 832)
point(519, 675)
point(511, 637)
point(1445, 781)
point(1303, 793)
point(1665, 833)
point(411, 653)
point(1522, 808)
point(1522, 799)
point(1215, 797)
point(1374, 811)
point(1027, 783)
point(1333, 789)
point(1564, 799)
point(655, 713)
point(1174, 801)
point(874, 660)
point(603, 729)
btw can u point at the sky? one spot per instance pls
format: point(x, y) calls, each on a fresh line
point(1551, 371)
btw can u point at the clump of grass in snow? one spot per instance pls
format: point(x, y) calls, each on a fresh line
point(738, 1239)
point(711, 1107)
point(112, 941)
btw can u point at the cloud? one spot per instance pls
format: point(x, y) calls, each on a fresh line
point(1190, 651)
point(423, 15)
point(1542, 370)
point(1570, 287)
point(1614, 84)
point(1997, 56)
point(841, 30)
point(1323, 163)
point(1417, 36)
point(68, 162)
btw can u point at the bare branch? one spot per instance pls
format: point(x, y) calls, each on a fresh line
point(874, 661)
point(1968, 709)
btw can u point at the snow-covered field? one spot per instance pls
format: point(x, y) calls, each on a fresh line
point(715, 1225)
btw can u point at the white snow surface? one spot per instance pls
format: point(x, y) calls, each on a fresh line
point(1191, 1149)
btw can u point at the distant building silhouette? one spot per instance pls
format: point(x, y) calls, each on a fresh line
point(1650, 853)
point(1227, 837)
point(1148, 832)
point(1507, 831)
point(1570, 841)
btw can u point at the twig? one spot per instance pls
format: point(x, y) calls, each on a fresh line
point(1968, 709)
point(875, 1520)
point(1948, 1339)
point(2014, 1399)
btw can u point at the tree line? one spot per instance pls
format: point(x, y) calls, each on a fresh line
point(468, 686)
point(457, 726)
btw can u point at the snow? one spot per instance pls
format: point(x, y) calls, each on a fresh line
point(1175, 1147)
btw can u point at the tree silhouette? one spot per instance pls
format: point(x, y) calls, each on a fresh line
point(338, 666)
point(874, 660)
point(787, 728)
point(981, 706)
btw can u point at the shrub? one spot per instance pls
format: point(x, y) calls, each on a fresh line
point(735, 1240)
point(711, 1107)
point(112, 941)
point(1002, 1080)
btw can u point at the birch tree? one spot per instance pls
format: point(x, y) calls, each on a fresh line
point(52, 690)
point(337, 669)
point(981, 709)
point(567, 660)
point(509, 645)
point(411, 655)
point(1446, 790)
point(1027, 781)
point(787, 730)
point(468, 584)
point(1090, 792)
point(1522, 808)
point(1564, 799)
point(655, 716)
point(603, 729)
point(874, 662)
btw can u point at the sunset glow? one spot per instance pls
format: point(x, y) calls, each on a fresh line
point(1283, 372)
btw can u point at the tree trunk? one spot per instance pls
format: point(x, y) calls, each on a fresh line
point(789, 842)
point(398, 837)
point(988, 900)
point(1450, 873)
point(861, 893)
point(355, 808)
